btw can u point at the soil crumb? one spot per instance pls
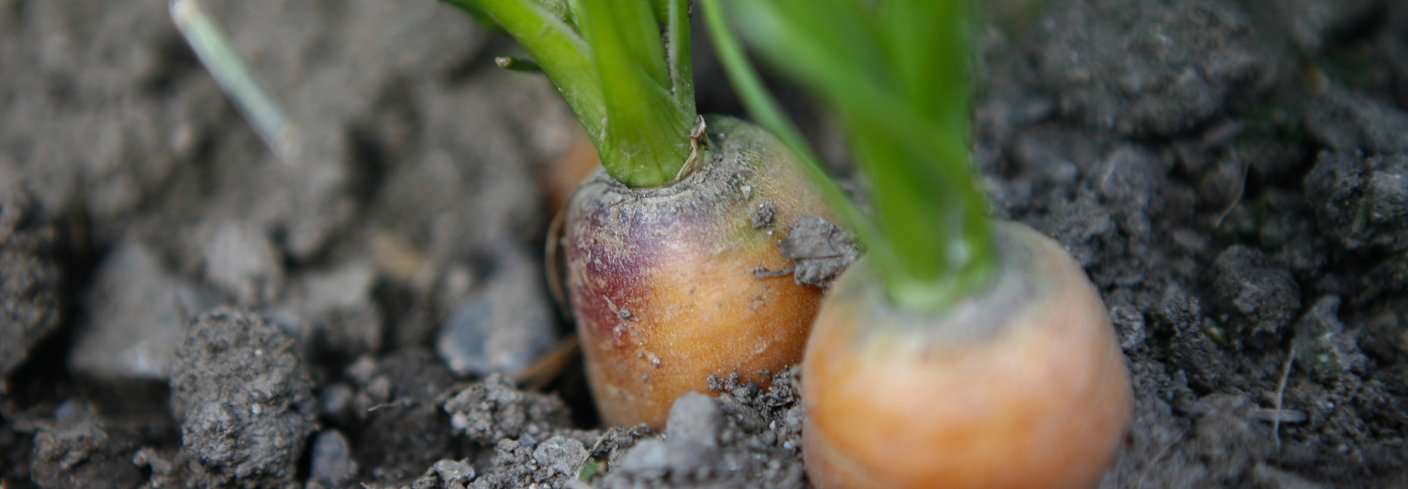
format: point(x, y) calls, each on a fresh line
point(77, 448)
point(523, 439)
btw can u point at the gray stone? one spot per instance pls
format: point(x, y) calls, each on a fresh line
point(332, 465)
point(138, 312)
point(454, 471)
point(240, 259)
point(649, 458)
point(504, 326)
point(694, 419)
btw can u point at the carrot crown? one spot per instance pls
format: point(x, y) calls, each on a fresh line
point(623, 67)
point(897, 75)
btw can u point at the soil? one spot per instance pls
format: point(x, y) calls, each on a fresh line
point(181, 308)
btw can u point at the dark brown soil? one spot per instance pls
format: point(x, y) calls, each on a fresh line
point(180, 308)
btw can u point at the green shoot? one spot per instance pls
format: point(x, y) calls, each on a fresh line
point(768, 114)
point(631, 86)
point(213, 49)
point(590, 469)
point(518, 64)
point(896, 73)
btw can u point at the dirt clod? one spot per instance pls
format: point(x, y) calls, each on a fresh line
point(1322, 345)
point(746, 437)
point(243, 399)
point(29, 279)
point(820, 250)
point(1148, 67)
point(75, 452)
point(1362, 201)
point(1258, 297)
point(1345, 121)
point(561, 455)
point(764, 216)
point(493, 410)
point(397, 413)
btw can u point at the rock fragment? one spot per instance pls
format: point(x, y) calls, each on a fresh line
point(332, 466)
point(505, 325)
point(138, 313)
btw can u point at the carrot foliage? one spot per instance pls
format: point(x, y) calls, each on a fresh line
point(623, 67)
point(896, 73)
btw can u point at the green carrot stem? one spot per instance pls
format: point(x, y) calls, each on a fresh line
point(767, 113)
point(646, 134)
point(549, 37)
point(518, 64)
point(681, 63)
point(631, 89)
point(896, 74)
point(213, 49)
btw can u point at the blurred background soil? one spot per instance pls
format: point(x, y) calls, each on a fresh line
point(180, 308)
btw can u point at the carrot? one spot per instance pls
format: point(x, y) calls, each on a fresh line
point(661, 244)
point(962, 351)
